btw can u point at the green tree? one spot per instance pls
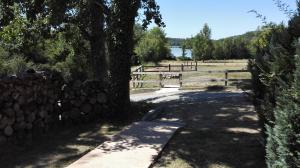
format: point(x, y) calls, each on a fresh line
point(46, 18)
point(202, 44)
point(206, 32)
point(188, 43)
point(198, 47)
point(284, 137)
point(218, 52)
point(139, 33)
point(276, 86)
point(183, 47)
point(153, 47)
point(6, 12)
point(24, 37)
point(85, 26)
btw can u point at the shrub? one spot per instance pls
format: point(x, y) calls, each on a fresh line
point(183, 58)
point(276, 80)
point(283, 144)
point(17, 66)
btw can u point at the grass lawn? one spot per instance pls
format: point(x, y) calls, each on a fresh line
point(59, 148)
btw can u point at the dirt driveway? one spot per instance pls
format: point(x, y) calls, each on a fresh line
point(222, 130)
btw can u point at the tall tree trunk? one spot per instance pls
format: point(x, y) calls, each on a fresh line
point(120, 44)
point(97, 42)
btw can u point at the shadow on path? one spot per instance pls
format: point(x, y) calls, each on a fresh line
point(57, 148)
point(222, 131)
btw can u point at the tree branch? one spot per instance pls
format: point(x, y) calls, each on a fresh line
point(105, 9)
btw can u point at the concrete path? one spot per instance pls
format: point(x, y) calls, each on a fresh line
point(168, 89)
point(166, 95)
point(135, 147)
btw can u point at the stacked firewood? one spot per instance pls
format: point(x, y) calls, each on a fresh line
point(34, 102)
point(83, 101)
point(27, 104)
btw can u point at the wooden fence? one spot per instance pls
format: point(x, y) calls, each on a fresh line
point(137, 77)
point(186, 66)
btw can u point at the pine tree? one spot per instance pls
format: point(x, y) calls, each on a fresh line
point(276, 80)
point(283, 144)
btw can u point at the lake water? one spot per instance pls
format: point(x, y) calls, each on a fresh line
point(177, 52)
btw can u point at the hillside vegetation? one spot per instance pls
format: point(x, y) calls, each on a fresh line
point(205, 48)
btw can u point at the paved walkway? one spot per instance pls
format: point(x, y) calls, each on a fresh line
point(135, 147)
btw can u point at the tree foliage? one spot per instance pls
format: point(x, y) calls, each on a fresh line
point(232, 48)
point(153, 47)
point(275, 74)
point(236, 47)
point(202, 46)
point(81, 39)
point(284, 137)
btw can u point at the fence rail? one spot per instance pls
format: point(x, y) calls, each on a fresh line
point(195, 72)
point(187, 66)
point(137, 77)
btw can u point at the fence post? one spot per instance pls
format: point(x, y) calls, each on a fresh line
point(169, 67)
point(191, 65)
point(160, 80)
point(196, 67)
point(138, 77)
point(133, 81)
point(142, 68)
point(180, 80)
point(141, 84)
point(182, 67)
point(226, 78)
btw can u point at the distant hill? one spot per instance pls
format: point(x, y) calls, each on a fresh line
point(237, 45)
point(234, 47)
point(249, 36)
point(175, 41)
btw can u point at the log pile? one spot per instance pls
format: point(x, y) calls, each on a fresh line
point(33, 103)
point(27, 104)
point(83, 101)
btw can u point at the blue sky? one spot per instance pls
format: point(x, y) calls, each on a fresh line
point(185, 18)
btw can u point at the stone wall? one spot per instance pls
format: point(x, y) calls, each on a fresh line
point(35, 102)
